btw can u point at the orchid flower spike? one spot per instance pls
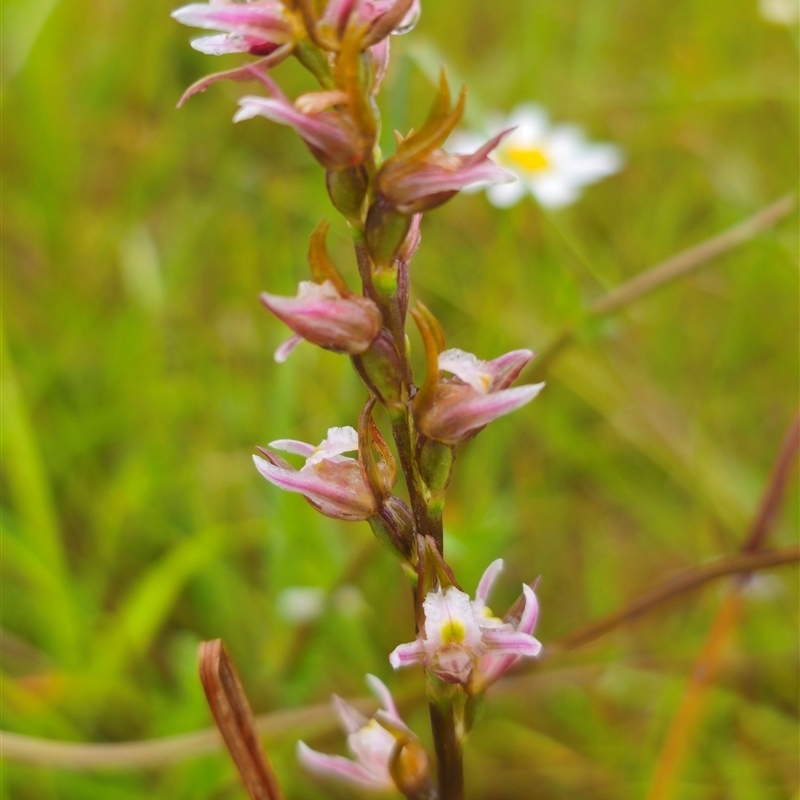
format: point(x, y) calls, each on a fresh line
point(258, 27)
point(386, 755)
point(456, 409)
point(462, 642)
point(336, 485)
point(321, 314)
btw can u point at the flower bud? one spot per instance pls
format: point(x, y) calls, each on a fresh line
point(347, 189)
point(394, 526)
point(380, 369)
point(386, 231)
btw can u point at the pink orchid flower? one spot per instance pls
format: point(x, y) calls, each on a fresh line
point(371, 743)
point(258, 27)
point(334, 484)
point(462, 642)
point(479, 393)
point(420, 185)
point(321, 314)
point(329, 134)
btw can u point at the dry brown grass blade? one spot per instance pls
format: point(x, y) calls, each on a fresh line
point(236, 723)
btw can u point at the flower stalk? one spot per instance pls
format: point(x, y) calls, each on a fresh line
point(351, 475)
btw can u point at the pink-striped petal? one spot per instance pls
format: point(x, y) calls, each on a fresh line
point(351, 718)
point(287, 348)
point(487, 580)
point(457, 419)
point(337, 767)
point(384, 695)
point(293, 446)
point(511, 642)
point(530, 613)
point(410, 653)
point(339, 498)
point(255, 18)
point(506, 368)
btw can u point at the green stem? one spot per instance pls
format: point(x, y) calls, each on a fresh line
point(401, 431)
point(449, 757)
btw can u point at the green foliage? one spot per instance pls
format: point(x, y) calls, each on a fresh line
point(137, 378)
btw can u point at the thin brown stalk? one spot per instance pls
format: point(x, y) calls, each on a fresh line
point(685, 724)
point(776, 488)
point(449, 755)
point(672, 589)
point(689, 260)
point(235, 721)
point(665, 272)
point(319, 718)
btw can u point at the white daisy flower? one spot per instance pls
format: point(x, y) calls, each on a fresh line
point(551, 162)
point(779, 12)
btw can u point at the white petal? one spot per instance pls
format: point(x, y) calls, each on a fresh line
point(467, 367)
point(308, 290)
point(221, 44)
point(531, 122)
point(293, 446)
point(593, 163)
point(372, 747)
point(338, 441)
point(443, 612)
point(554, 191)
point(504, 195)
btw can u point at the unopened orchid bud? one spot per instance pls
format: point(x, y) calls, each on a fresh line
point(347, 189)
point(455, 409)
point(386, 231)
point(377, 746)
point(412, 241)
point(380, 369)
point(332, 483)
point(374, 455)
point(394, 526)
point(436, 465)
point(322, 315)
point(462, 642)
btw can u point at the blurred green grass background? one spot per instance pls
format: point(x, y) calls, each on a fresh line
point(138, 376)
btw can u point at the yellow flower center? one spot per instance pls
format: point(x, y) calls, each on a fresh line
point(452, 632)
point(531, 159)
